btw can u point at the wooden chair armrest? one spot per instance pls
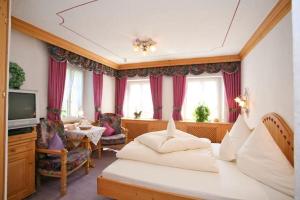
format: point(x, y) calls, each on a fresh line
point(52, 151)
point(125, 131)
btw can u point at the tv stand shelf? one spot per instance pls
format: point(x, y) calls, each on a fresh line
point(21, 165)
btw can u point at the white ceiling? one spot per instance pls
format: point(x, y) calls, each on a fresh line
point(182, 29)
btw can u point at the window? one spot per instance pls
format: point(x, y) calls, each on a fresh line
point(73, 93)
point(208, 90)
point(138, 98)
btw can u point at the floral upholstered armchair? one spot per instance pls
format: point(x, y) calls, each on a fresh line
point(114, 134)
point(55, 156)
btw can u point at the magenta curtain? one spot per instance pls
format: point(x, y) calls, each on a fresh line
point(156, 92)
point(232, 82)
point(98, 88)
point(179, 87)
point(56, 86)
point(120, 89)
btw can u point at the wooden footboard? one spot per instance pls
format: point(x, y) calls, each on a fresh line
point(118, 190)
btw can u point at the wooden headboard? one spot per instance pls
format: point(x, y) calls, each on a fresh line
point(281, 133)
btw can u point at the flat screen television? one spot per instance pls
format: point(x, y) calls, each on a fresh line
point(22, 109)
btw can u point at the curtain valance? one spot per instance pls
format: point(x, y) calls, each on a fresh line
point(228, 67)
point(60, 54)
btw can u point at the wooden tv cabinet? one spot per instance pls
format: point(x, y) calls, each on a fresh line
point(21, 165)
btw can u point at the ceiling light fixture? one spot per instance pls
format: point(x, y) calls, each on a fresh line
point(144, 46)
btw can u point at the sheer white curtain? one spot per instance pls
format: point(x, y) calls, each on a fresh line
point(208, 90)
point(73, 94)
point(138, 98)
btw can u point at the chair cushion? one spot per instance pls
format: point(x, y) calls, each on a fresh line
point(44, 136)
point(56, 143)
point(113, 140)
point(75, 158)
point(113, 120)
point(109, 131)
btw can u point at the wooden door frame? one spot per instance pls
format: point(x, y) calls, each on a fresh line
point(4, 37)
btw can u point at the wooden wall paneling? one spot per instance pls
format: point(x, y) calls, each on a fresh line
point(276, 14)
point(4, 24)
point(139, 128)
point(214, 131)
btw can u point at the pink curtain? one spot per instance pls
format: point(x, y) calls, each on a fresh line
point(179, 86)
point(56, 86)
point(232, 82)
point(98, 88)
point(120, 89)
point(156, 91)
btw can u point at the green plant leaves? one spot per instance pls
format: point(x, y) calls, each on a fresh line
point(202, 113)
point(17, 76)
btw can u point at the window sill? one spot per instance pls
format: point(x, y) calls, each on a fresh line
point(183, 121)
point(70, 120)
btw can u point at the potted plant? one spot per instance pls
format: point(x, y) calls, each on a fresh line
point(17, 76)
point(137, 115)
point(202, 113)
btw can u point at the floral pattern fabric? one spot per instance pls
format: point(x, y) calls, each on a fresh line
point(43, 136)
point(60, 54)
point(112, 120)
point(196, 69)
point(75, 158)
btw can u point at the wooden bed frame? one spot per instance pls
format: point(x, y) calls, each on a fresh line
point(278, 128)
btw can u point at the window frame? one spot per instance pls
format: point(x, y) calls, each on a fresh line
point(223, 113)
point(127, 92)
point(69, 117)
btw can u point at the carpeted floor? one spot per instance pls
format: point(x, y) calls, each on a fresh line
point(80, 186)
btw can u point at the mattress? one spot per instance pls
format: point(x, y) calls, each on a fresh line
point(229, 183)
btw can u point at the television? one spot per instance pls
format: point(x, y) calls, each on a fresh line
point(22, 109)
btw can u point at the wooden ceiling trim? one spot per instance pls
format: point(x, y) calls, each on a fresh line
point(190, 61)
point(45, 36)
point(277, 13)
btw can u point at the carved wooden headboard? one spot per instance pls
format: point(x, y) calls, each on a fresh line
point(281, 133)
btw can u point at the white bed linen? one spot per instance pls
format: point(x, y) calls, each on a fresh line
point(229, 183)
point(180, 141)
point(197, 159)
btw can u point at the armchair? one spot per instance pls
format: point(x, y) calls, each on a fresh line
point(120, 134)
point(59, 162)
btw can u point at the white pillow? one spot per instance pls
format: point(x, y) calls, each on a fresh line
point(261, 159)
point(171, 128)
point(232, 142)
point(226, 151)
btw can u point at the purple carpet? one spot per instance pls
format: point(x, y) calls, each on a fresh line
point(80, 186)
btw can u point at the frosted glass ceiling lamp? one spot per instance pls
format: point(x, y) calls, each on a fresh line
point(144, 46)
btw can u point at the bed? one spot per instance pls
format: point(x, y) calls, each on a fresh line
point(126, 179)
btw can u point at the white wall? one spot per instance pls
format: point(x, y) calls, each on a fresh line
point(267, 73)
point(108, 95)
point(32, 55)
point(296, 45)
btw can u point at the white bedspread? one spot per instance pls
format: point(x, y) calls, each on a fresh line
point(229, 183)
point(198, 159)
point(180, 141)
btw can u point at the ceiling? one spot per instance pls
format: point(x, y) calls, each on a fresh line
point(182, 29)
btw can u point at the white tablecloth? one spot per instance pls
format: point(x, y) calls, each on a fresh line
point(94, 134)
